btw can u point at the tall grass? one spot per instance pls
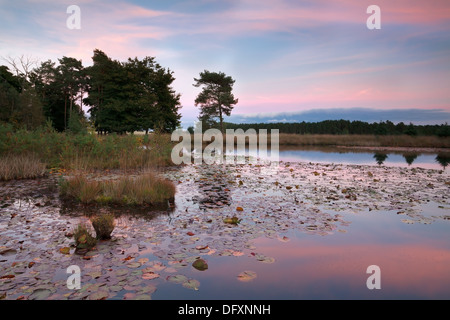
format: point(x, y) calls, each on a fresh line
point(88, 151)
point(350, 140)
point(365, 140)
point(24, 166)
point(145, 189)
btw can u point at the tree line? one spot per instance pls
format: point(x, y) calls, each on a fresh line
point(135, 95)
point(348, 127)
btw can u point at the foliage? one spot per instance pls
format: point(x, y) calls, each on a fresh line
point(103, 225)
point(131, 96)
point(216, 99)
point(24, 166)
point(144, 189)
point(86, 151)
point(83, 237)
point(341, 127)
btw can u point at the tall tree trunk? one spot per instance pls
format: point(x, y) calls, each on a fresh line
point(65, 113)
point(221, 119)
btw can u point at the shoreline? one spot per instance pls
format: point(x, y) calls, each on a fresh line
point(399, 149)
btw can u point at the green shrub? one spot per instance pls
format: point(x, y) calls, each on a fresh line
point(103, 226)
point(83, 238)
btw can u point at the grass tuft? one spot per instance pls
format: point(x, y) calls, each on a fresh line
point(103, 226)
point(145, 189)
point(83, 237)
point(25, 166)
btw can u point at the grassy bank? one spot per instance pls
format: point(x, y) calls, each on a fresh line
point(365, 140)
point(403, 141)
point(24, 166)
point(144, 189)
point(85, 151)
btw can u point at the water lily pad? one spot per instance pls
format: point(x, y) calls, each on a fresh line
point(143, 297)
point(232, 220)
point(40, 294)
point(99, 295)
point(191, 284)
point(200, 265)
point(246, 276)
point(177, 278)
point(7, 252)
point(150, 275)
point(134, 265)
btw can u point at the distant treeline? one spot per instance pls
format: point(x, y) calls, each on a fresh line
point(348, 127)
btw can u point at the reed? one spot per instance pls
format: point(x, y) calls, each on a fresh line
point(24, 166)
point(145, 189)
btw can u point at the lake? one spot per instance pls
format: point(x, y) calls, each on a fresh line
point(308, 229)
point(329, 155)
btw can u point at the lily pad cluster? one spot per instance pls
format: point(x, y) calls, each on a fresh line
point(219, 212)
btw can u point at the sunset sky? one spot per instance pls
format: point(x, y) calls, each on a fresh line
point(288, 57)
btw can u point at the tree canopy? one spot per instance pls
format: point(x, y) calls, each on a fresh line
point(216, 99)
point(121, 96)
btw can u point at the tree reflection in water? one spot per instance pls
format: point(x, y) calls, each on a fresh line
point(443, 159)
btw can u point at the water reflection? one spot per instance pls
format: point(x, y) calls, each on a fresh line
point(214, 186)
point(443, 159)
point(380, 157)
point(70, 208)
point(329, 155)
point(410, 157)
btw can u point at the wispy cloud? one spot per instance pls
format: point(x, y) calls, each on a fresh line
point(283, 54)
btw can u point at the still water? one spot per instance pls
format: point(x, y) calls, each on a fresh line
point(397, 159)
point(308, 230)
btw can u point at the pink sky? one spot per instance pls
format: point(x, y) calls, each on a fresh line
point(285, 56)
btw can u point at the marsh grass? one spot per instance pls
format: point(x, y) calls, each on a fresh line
point(364, 140)
point(103, 225)
point(145, 189)
point(24, 166)
point(88, 151)
point(83, 237)
point(349, 140)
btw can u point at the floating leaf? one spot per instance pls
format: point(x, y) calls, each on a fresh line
point(8, 252)
point(99, 295)
point(143, 297)
point(264, 259)
point(65, 250)
point(178, 278)
point(39, 294)
point(150, 275)
point(134, 265)
point(246, 276)
point(233, 220)
point(191, 284)
point(200, 265)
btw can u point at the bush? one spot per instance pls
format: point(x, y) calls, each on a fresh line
point(103, 226)
point(145, 189)
point(83, 237)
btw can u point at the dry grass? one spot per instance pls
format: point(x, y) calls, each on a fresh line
point(145, 189)
point(103, 225)
point(287, 139)
point(26, 166)
point(365, 140)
